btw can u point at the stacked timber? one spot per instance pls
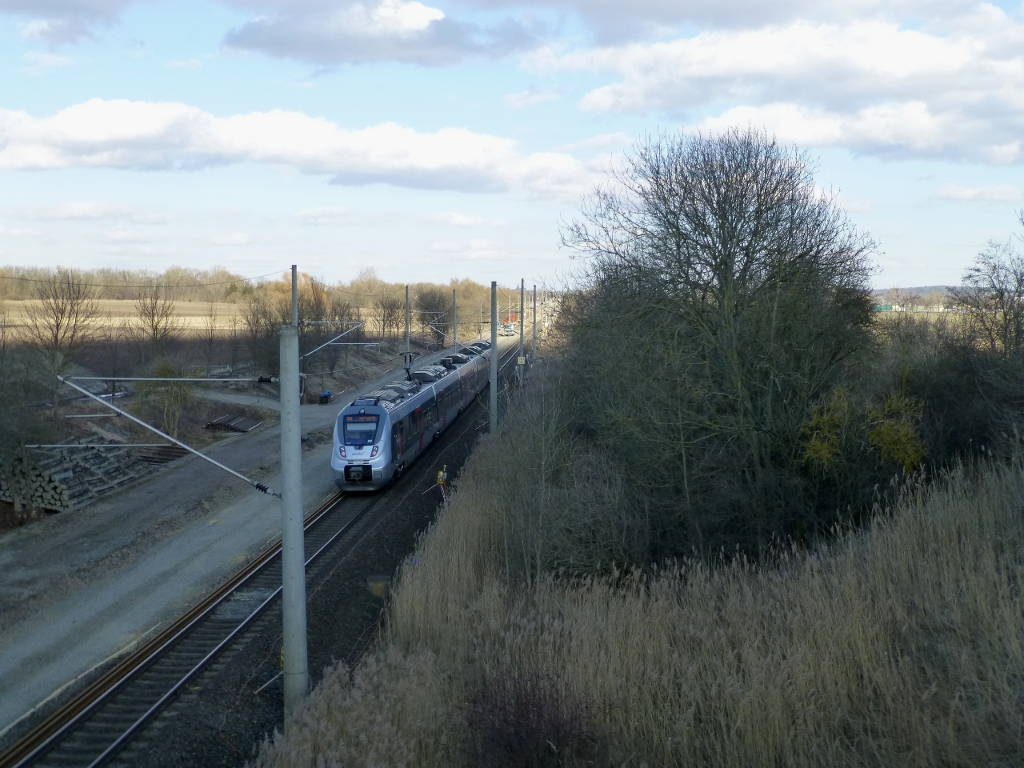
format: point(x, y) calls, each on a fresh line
point(69, 479)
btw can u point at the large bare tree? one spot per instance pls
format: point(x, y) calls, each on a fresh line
point(725, 295)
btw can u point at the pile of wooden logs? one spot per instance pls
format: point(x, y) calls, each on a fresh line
point(68, 479)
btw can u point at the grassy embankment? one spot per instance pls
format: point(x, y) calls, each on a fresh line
point(901, 644)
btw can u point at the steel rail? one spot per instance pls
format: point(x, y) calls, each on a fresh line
point(44, 735)
point(151, 712)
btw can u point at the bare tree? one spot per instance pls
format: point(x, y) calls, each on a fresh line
point(388, 314)
point(433, 306)
point(725, 295)
point(155, 318)
point(261, 323)
point(992, 296)
point(64, 314)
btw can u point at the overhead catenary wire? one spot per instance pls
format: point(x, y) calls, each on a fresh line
point(202, 380)
point(313, 352)
point(261, 487)
point(98, 445)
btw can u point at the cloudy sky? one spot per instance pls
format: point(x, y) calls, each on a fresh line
point(450, 138)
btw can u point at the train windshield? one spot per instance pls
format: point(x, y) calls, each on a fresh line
point(360, 428)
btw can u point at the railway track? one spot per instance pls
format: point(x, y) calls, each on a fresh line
point(99, 724)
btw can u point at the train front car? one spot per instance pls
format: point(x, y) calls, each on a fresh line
point(361, 460)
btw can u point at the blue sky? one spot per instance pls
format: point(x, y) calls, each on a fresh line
point(432, 140)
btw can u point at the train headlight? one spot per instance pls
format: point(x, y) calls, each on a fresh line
point(374, 451)
point(341, 451)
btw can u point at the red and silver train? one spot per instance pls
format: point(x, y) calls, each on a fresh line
point(382, 432)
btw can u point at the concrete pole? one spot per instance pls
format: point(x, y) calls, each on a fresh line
point(408, 325)
point(533, 343)
point(293, 558)
point(295, 296)
point(455, 320)
point(522, 320)
point(494, 359)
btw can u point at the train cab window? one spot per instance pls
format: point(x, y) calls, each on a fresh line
point(360, 428)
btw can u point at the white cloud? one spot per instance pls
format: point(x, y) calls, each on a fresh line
point(874, 85)
point(992, 194)
point(612, 20)
point(170, 136)
point(329, 33)
point(63, 21)
point(895, 129)
point(389, 17)
point(820, 60)
point(529, 98)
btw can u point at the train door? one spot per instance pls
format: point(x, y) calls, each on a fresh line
point(398, 442)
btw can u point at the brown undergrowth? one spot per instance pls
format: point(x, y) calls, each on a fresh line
point(899, 644)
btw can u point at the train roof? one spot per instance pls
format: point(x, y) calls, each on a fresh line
point(390, 395)
point(394, 393)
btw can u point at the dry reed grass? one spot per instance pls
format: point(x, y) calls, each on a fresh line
point(900, 645)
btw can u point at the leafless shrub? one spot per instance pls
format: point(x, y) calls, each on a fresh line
point(167, 399)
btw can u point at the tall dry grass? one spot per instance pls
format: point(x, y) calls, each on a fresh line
point(899, 645)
